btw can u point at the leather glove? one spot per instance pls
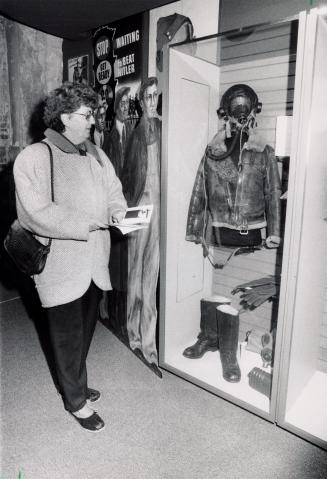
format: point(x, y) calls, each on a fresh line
point(256, 297)
point(273, 241)
point(256, 292)
point(267, 280)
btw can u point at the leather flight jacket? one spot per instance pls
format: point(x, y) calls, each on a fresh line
point(242, 197)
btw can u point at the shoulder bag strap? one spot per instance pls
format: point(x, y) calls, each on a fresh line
point(51, 168)
point(51, 177)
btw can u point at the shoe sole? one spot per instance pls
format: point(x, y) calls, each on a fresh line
point(232, 380)
point(201, 356)
point(96, 430)
point(94, 401)
point(85, 428)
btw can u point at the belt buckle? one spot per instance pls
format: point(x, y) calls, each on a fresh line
point(244, 231)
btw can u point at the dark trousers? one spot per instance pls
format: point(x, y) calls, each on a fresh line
point(71, 328)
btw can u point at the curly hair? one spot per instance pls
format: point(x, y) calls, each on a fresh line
point(66, 99)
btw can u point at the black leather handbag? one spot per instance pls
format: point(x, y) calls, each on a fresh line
point(25, 250)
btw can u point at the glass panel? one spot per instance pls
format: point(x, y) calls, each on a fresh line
point(307, 379)
point(222, 216)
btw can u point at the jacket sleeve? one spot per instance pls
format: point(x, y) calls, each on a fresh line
point(134, 170)
point(111, 147)
point(272, 192)
point(116, 200)
point(196, 213)
point(35, 210)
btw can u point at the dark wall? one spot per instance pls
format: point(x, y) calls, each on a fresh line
point(72, 49)
point(30, 66)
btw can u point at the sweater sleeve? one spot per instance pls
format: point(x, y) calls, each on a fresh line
point(35, 210)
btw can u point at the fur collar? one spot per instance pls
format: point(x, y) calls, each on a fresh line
point(67, 146)
point(255, 142)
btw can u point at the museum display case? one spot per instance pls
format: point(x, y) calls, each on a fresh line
point(302, 388)
point(233, 213)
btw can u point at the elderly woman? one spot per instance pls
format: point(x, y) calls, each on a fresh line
point(87, 199)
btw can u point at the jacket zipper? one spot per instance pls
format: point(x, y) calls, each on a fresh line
point(240, 221)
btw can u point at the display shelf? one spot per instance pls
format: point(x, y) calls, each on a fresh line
point(208, 370)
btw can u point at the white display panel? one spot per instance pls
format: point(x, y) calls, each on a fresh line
point(303, 385)
point(185, 276)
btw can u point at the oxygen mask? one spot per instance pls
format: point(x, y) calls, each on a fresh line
point(238, 107)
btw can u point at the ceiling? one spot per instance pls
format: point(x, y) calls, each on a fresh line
point(72, 18)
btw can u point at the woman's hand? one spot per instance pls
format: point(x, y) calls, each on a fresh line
point(98, 225)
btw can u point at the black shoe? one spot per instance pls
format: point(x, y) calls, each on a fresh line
point(139, 354)
point(202, 346)
point(156, 370)
point(93, 423)
point(93, 395)
point(151, 366)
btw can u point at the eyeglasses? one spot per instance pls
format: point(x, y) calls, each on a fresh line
point(87, 116)
point(123, 103)
point(149, 97)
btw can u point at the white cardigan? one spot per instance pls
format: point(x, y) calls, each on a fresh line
point(84, 189)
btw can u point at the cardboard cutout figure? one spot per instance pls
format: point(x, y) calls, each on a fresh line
point(141, 185)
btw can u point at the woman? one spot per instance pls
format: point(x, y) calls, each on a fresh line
point(87, 198)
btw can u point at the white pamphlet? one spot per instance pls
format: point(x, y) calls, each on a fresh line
point(136, 217)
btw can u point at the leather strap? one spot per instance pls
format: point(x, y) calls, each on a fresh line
point(234, 252)
point(51, 177)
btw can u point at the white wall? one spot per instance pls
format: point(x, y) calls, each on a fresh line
point(242, 13)
point(203, 14)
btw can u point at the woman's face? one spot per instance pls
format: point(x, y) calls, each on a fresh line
point(78, 124)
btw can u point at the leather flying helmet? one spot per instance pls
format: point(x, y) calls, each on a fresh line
point(238, 102)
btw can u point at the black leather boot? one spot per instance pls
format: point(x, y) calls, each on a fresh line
point(228, 329)
point(208, 336)
point(202, 346)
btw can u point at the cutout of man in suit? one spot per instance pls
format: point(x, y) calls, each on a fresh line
point(141, 185)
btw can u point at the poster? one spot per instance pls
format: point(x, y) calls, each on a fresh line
point(120, 59)
point(120, 52)
point(78, 69)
